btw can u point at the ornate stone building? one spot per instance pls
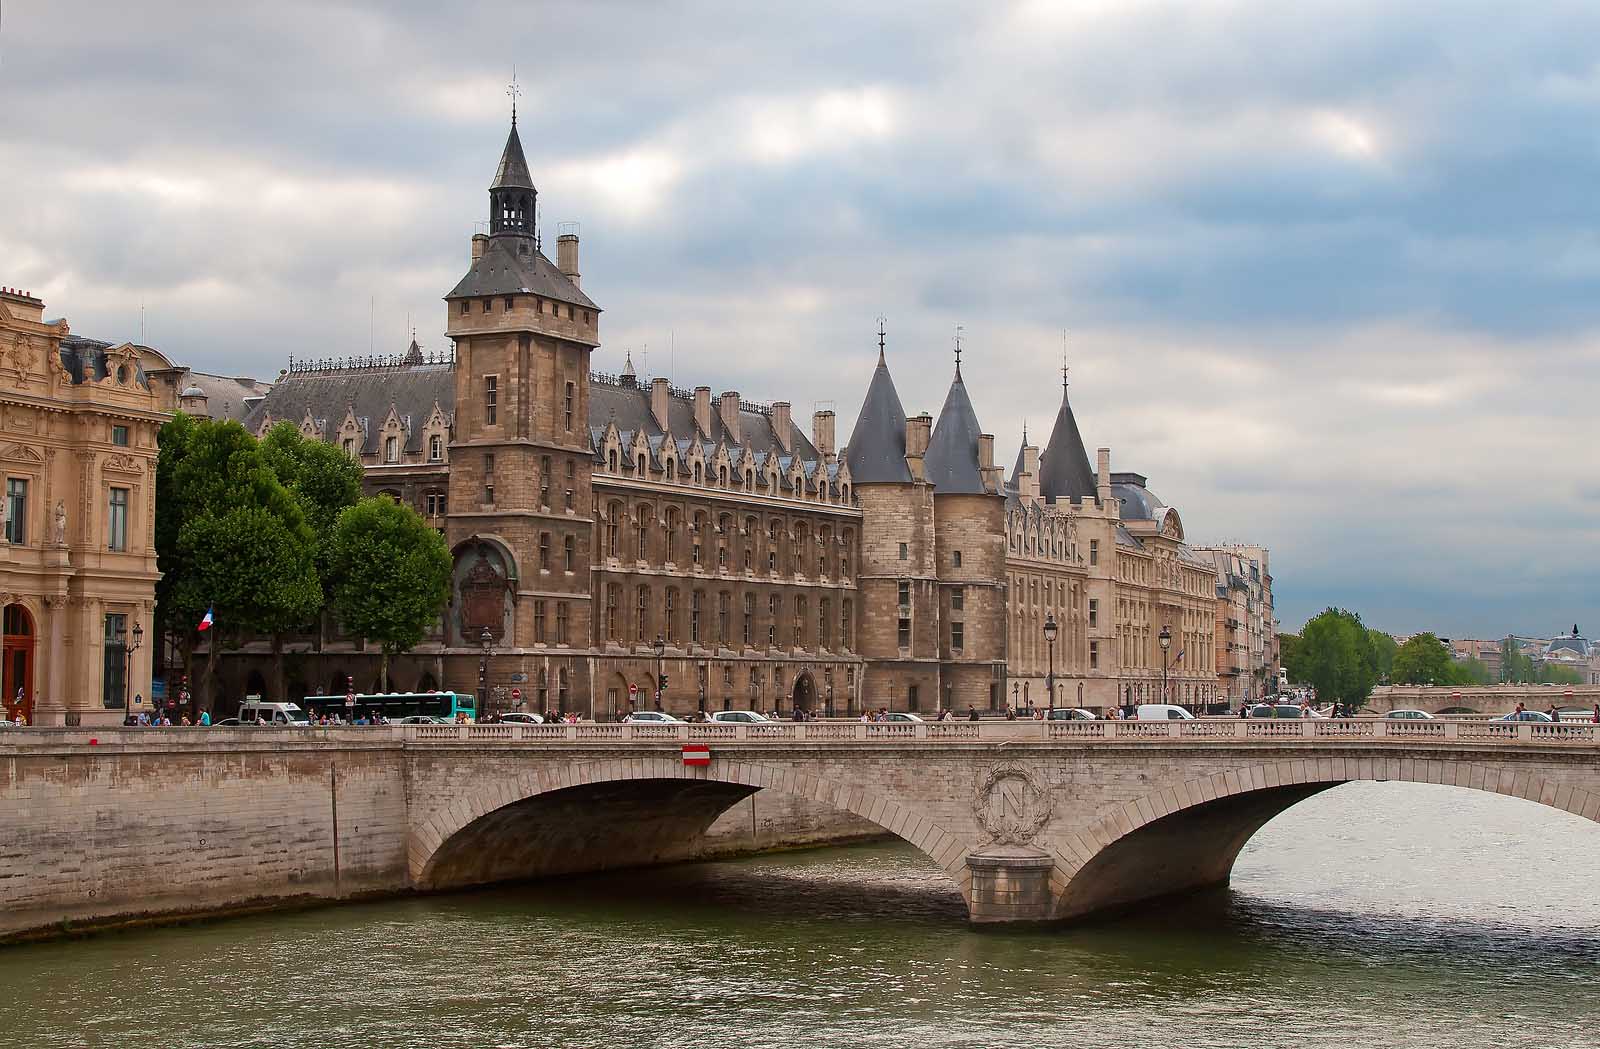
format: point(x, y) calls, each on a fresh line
point(594, 515)
point(78, 563)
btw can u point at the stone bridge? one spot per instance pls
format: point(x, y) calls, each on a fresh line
point(1481, 699)
point(1031, 821)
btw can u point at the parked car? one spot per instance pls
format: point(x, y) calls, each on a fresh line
point(900, 715)
point(421, 719)
point(1072, 714)
point(521, 719)
point(1409, 715)
point(1526, 715)
point(739, 717)
point(1283, 710)
point(225, 723)
point(1161, 712)
point(650, 717)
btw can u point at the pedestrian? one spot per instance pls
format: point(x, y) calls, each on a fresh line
point(1554, 712)
point(1011, 713)
point(972, 712)
point(205, 719)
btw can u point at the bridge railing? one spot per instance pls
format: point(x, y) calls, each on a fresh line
point(1216, 729)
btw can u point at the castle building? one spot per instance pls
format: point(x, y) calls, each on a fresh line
point(78, 424)
point(609, 528)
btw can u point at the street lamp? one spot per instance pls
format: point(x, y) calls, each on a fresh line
point(1165, 640)
point(128, 651)
point(486, 642)
point(660, 646)
point(1050, 644)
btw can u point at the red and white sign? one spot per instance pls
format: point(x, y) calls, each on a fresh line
point(516, 693)
point(633, 690)
point(696, 754)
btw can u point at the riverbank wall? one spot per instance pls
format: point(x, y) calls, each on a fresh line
point(141, 827)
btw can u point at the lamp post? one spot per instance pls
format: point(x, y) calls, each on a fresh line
point(1165, 640)
point(660, 646)
point(1050, 646)
point(485, 642)
point(127, 652)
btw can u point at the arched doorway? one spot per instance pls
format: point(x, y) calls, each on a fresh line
point(805, 692)
point(616, 699)
point(256, 685)
point(16, 688)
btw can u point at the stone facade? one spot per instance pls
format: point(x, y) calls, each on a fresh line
point(78, 425)
point(1246, 626)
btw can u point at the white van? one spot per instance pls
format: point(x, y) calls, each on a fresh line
point(1162, 712)
point(271, 713)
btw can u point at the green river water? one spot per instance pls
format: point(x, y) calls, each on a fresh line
point(1374, 915)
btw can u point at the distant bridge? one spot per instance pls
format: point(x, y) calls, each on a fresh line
point(1032, 821)
point(1480, 699)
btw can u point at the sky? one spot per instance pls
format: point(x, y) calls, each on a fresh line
point(1327, 273)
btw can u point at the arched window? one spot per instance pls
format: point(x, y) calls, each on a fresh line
point(613, 520)
point(641, 624)
point(612, 462)
point(612, 597)
point(697, 473)
point(671, 553)
point(647, 516)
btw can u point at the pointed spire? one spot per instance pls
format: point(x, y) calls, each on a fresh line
point(877, 449)
point(1064, 471)
point(959, 330)
point(627, 365)
point(952, 461)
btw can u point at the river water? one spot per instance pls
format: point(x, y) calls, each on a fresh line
point(1372, 915)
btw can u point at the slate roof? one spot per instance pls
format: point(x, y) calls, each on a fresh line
point(877, 451)
point(629, 407)
point(951, 464)
point(1064, 471)
point(513, 170)
point(1138, 503)
point(368, 392)
point(511, 264)
point(1016, 470)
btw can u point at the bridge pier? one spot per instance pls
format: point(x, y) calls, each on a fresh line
point(1010, 885)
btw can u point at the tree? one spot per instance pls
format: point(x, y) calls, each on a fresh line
point(324, 482)
point(229, 537)
point(1515, 668)
point(1471, 672)
point(1383, 650)
point(1289, 656)
point(1336, 657)
point(391, 575)
point(1423, 660)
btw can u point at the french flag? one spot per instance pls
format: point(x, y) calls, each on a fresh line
point(205, 624)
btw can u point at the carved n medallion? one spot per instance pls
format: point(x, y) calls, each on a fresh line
point(1012, 804)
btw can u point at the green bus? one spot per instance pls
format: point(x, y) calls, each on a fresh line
point(447, 706)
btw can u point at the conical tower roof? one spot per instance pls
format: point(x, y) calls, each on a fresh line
point(952, 459)
point(513, 170)
point(1022, 456)
point(877, 452)
point(1064, 471)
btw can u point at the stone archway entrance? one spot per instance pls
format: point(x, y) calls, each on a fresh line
point(805, 692)
point(16, 683)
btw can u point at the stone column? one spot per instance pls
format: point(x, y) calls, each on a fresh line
point(1010, 884)
point(51, 701)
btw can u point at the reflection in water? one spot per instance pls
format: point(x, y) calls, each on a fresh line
point(1374, 915)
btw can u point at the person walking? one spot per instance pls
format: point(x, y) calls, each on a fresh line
point(972, 712)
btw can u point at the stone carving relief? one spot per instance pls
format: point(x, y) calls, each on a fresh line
point(58, 528)
point(483, 592)
point(1012, 804)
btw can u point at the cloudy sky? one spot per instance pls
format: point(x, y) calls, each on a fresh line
point(1329, 273)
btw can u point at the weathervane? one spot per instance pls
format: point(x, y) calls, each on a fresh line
point(1063, 358)
point(959, 329)
point(512, 91)
point(881, 330)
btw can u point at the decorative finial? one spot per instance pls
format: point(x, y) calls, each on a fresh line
point(1063, 360)
point(881, 332)
point(1024, 431)
point(512, 91)
point(959, 329)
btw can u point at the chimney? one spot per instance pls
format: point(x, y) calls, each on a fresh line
point(1103, 479)
point(728, 408)
point(1028, 485)
point(567, 252)
point(993, 477)
point(918, 429)
point(783, 425)
point(660, 399)
point(702, 410)
point(479, 242)
point(822, 433)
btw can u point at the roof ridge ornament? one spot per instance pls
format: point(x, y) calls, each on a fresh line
point(881, 332)
point(512, 91)
point(959, 329)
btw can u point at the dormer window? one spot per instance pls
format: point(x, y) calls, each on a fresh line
point(391, 449)
point(350, 446)
point(435, 447)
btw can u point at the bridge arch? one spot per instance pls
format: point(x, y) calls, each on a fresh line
point(1188, 836)
point(543, 821)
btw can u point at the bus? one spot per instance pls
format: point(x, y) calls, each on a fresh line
point(396, 705)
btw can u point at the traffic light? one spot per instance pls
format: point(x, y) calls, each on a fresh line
point(661, 682)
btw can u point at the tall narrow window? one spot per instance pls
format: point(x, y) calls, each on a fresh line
point(16, 510)
point(749, 617)
point(955, 559)
point(119, 436)
point(435, 447)
point(561, 689)
point(561, 632)
point(1094, 612)
point(1094, 655)
point(905, 593)
point(391, 449)
point(491, 399)
point(544, 551)
point(905, 551)
point(613, 512)
point(724, 610)
point(774, 613)
point(825, 623)
point(799, 622)
point(538, 622)
point(845, 639)
point(544, 480)
point(571, 474)
point(641, 625)
point(670, 612)
point(488, 477)
point(568, 553)
point(958, 599)
point(114, 669)
point(611, 610)
point(694, 616)
point(1094, 551)
point(958, 636)
point(117, 520)
point(570, 404)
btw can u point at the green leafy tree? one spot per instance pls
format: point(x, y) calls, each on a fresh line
point(1383, 650)
point(1289, 657)
point(1470, 672)
point(324, 482)
point(1549, 675)
point(1336, 657)
point(391, 575)
point(1515, 668)
point(229, 537)
point(1423, 660)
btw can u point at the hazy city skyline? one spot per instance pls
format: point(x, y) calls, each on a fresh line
point(1328, 276)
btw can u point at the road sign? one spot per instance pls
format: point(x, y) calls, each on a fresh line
point(696, 754)
point(516, 694)
point(633, 690)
